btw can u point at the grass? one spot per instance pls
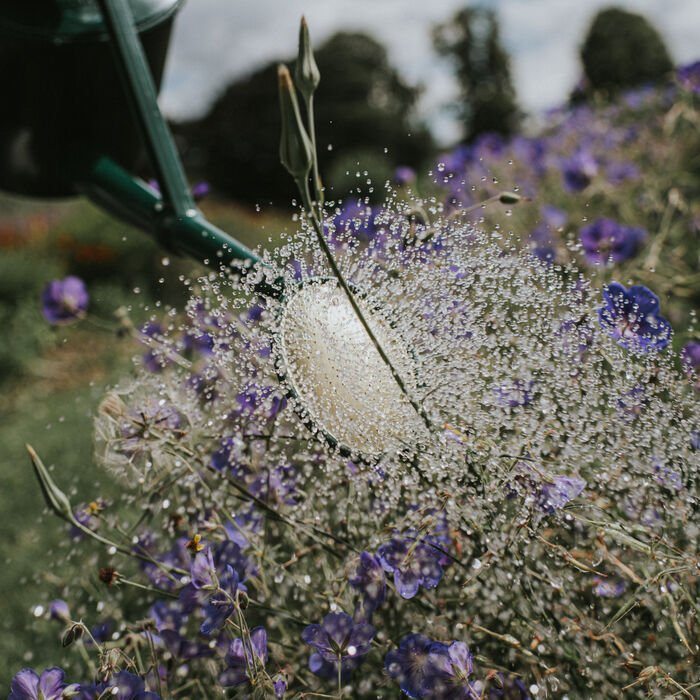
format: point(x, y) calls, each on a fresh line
point(52, 381)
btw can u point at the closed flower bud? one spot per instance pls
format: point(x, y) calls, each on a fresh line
point(55, 499)
point(509, 198)
point(295, 145)
point(306, 73)
point(72, 634)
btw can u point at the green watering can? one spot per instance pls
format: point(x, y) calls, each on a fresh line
point(80, 80)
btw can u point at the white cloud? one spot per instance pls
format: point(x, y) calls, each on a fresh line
point(217, 40)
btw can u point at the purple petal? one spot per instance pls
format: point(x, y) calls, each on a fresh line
point(406, 582)
point(52, 683)
point(25, 685)
point(258, 640)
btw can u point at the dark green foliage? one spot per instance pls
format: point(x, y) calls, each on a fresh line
point(621, 50)
point(361, 105)
point(488, 103)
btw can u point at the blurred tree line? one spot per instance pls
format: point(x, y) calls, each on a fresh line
point(366, 113)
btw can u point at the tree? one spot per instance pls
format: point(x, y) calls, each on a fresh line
point(362, 105)
point(488, 103)
point(622, 50)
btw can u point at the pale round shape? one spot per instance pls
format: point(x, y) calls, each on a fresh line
point(341, 381)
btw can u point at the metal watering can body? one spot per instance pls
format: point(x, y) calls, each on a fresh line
point(64, 101)
point(80, 81)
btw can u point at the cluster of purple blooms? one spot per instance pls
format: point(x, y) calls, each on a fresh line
point(51, 685)
point(607, 241)
point(64, 301)
point(434, 670)
point(632, 318)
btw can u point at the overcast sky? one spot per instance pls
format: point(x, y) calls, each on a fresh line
point(217, 40)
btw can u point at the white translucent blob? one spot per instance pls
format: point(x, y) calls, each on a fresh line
point(341, 380)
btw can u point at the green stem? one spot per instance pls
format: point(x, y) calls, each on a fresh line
point(303, 186)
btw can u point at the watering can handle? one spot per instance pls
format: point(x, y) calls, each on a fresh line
point(174, 219)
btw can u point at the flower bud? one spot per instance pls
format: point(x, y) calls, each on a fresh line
point(509, 198)
point(295, 145)
point(306, 73)
point(72, 634)
point(55, 499)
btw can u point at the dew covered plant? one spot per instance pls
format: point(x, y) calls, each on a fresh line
point(421, 463)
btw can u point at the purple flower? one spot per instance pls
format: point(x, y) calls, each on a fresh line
point(202, 570)
point(557, 493)
point(608, 588)
point(368, 578)
point(129, 687)
point(606, 240)
point(263, 401)
point(446, 675)
point(667, 477)
point(277, 486)
point(59, 610)
point(355, 220)
point(690, 359)
point(155, 358)
point(220, 605)
point(413, 562)
point(200, 190)
point(514, 394)
point(64, 301)
point(27, 685)
point(631, 317)
point(509, 688)
point(578, 170)
point(339, 637)
point(403, 175)
point(688, 77)
point(618, 172)
point(241, 664)
point(229, 456)
point(553, 217)
point(408, 664)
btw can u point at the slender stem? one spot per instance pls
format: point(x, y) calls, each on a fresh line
point(318, 188)
point(304, 189)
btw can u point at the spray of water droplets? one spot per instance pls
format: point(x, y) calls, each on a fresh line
point(553, 469)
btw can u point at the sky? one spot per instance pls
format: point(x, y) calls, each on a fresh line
point(215, 41)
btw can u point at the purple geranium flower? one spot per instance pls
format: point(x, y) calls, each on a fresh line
point(27, 685)
point(690, 358)
point(606, 240)
point(368, 578)
point(631, 316)
point(667, 477)
point(514, 394)
point(404, 175)
point(578, 170)
point(64, 301)
point(339, 637)
point(242, 666)
point(446, 674)
point(508, 688)
point(129, 687)
point(688, 77)
point(557, 493)
point(59, 610)
point(608, 588)
point(619, 172)
point(413, 562)
point(220, 605)
point(408, 663)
